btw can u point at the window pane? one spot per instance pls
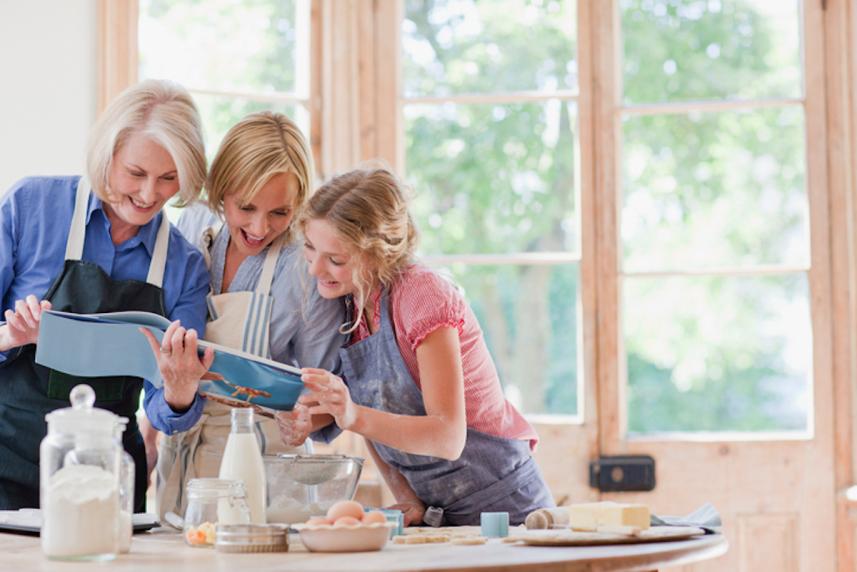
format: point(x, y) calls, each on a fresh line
point(220, 113)
point(710, 49)
point(718, 354)
point(222, 45)
point(469, 46)
point(534, 338)
point(715, 189)
point(494, 178)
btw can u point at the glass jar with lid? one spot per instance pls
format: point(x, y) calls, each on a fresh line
point(80, 480)
point(211, 502)
point(127, 479)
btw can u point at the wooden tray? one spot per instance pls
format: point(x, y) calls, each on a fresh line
point(574, 538)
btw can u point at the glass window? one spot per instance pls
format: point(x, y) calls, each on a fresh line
point(714, 217)
point(491, 144)
point(234, 57)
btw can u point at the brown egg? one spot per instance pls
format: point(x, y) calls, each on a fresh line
point(319, 520)
point(374, 516)
point(346, 521)
point(345, 508)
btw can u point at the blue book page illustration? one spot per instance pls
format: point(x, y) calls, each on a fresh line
point(98, 345)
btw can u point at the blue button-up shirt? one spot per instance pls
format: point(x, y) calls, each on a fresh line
point(35, 216)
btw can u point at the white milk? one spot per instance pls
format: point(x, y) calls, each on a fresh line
point(242, 460)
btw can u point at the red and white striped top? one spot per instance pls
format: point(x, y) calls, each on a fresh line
point(422, 301)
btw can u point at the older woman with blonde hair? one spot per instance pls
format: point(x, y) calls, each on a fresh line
point(259, 181)
point(100, 243)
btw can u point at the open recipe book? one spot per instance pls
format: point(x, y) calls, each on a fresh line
point(97, 345)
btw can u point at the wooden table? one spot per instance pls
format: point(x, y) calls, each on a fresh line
point(164, 550)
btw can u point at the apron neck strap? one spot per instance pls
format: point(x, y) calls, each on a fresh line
point(209, 235)
point(77, 234)
point(159, 256)
point(270, 264)
point(77, 231)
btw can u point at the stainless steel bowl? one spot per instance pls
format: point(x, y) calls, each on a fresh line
point(301, 486)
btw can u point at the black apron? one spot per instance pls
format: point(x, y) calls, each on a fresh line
point(30, 391)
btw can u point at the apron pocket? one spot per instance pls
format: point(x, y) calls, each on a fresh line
point(106, 389)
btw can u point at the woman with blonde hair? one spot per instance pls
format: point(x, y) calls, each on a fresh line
point(258, 182)
point(100, 243)
point(417, 379)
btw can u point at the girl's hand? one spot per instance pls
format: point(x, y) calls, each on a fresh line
point(412, 511)
point(295, 425)
point(22, 324)
point(332, 396)
point(179, 363)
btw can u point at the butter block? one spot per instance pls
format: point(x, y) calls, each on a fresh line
point(589, 516)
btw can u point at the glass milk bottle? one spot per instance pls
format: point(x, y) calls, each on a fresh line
point(242, 460)
point(80, 481)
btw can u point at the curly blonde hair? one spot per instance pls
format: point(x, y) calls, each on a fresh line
point(258, 147)
point(369, 210)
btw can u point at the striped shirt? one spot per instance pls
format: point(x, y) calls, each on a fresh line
point(421, 301)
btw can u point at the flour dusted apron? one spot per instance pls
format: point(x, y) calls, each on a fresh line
point(30, 390)
point(239, 320)
point(493, 474)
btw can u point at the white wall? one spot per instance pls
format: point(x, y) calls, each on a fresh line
point(47, 86)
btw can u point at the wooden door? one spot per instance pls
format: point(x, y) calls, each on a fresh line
point(773, 483)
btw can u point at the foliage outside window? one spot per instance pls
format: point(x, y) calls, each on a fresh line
point(490, 110)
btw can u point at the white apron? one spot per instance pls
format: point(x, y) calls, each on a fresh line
point(239, 320)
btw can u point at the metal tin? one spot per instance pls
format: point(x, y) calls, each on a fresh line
point(251, 538)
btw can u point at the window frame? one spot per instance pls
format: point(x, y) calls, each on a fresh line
point(356, 114)
point(355, 80)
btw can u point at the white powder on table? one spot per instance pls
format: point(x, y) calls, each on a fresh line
point(81, 513)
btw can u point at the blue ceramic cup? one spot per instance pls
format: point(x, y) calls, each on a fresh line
point(396, 517)
point(494, 524)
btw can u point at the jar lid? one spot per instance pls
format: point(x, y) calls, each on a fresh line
point(251, 538)
point(212, 488)
point(82, 417)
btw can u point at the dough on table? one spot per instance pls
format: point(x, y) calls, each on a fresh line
point(469, 540)
point(421, 539)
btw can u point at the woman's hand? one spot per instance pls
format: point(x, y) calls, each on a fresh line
point(332, 396)
point(412, 511)
point(22, 324)
point(179, 363)
point(295, 425)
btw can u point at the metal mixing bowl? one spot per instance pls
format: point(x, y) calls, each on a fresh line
point(301, 486)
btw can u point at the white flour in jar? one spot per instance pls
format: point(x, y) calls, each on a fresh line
point(81, 513)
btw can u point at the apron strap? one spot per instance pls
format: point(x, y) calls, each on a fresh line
point(77, 234)
point(207, 241)
point(77, 230)
point(268, 267)
point(159, 256)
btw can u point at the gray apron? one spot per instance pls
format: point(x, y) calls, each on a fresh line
point(493, 474)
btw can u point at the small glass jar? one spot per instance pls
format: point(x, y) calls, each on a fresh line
point(211, 502)
point(127, 476)
point(80, 481)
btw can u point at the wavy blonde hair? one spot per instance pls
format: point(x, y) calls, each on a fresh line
point(369, 210)
point(255, 149)
point(162, 110)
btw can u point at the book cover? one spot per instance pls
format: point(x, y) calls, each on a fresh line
point(99, 345)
